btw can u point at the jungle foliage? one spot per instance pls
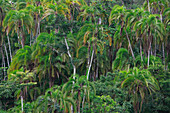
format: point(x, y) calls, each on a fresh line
point(84, 56)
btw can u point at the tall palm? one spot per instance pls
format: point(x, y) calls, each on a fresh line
point(18, 21)
point(54, 96)
point(150, 27)
point(56, 9)
point(132, 17)
point(4, 8)
point(90, 35)
point(36, 11)
point(47, 57)
point(24, 79)
point(118, 14)
point(81, 86)
point(140, 83)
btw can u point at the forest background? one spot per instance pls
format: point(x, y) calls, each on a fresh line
point(84, 56)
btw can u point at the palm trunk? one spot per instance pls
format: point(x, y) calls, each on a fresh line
point(23, 41)
point(30, 37)
point(88, 59)
point(74, 68)
point(9, 44)
point(97, 70)
point(130, 45)
point(39, 28)
point(3, 62)
point(148, 5)
point(79, 101)
point(68, 51)
point(155, 47)
point(149, 52)
point(90, 65)
point(88, 77)
point(22, 108)
point(6, 54)
point(163, 51)
point(141, 51)
point(18, 37)
point(110, 57)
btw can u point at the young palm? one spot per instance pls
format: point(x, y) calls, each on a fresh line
point(22, 59)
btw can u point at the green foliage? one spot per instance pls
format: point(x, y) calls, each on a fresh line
point(122, 57)
point(104, 104)
point(124, 43)
point(7, 90)
point(110, 85)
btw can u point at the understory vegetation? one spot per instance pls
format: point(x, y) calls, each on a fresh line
point(84, 56)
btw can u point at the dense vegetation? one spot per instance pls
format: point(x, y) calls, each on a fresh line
point(84, 56)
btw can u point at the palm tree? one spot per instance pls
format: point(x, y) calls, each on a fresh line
point(47, 57)
point(56, 9)
point(4, 7)
point(22, 59)
point(79, 85)
point(37, 12)
point(140, 83)
point(149, 27)
point(132, 17)
point(118, 14)
point(18, 21)
point(55, 96)
point(121, 59)
point(24, 79)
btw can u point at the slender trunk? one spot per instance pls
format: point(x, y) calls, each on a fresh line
point(141, 51)
point(130, 45)
point(3, 62)
point(149, 52)
point(68, 51)
point(110, 57)
point(94, 67)
point(141, 106)
point(87, 78)
point(18, 37)
point(9, 44)
point(148, 5)
point(22, 108)
point(88, 59)
point(74, 68)
point(155, 47)
point(79, 101)
point(163, 51)
point(90, 65)
point(30, 37)
point(39, 28)
point(6, 54)
point(23, 41)
point(97, 70)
